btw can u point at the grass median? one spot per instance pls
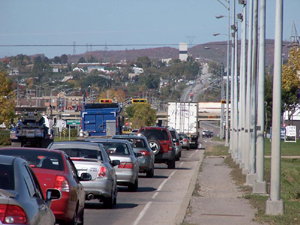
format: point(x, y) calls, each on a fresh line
point(290, 185)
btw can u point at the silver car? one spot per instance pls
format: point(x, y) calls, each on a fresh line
point(176, 142)
point(91, 158)
point(21, 197)
point(184, 140)
point(128, 170)
point(140, 145)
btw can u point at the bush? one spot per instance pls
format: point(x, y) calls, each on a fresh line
point(4, 137)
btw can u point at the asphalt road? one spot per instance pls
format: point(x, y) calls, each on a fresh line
point(162, 199)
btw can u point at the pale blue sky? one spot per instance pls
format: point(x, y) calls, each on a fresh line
point(112, 22)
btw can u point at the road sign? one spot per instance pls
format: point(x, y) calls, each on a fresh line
point(73, 122)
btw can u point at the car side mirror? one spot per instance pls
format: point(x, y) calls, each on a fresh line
point(138, 154)
point(115, 162)
point(85, 177)
point(52, 194)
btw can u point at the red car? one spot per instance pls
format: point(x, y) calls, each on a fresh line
point(54, 169)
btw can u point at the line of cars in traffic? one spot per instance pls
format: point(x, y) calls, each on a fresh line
point(66, 174)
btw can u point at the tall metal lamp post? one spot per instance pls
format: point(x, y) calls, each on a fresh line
point(227, 71)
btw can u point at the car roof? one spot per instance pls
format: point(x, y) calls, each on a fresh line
point(28, 148)
point(107, 140)
point(6, 159)
point(129, 136)
point(76, 143)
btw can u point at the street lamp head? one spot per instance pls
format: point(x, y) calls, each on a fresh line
point(243, 2)
point(234, 28)
point(219, 16)
point(216, 34)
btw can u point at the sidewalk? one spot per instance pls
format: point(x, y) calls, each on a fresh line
point(218, 200)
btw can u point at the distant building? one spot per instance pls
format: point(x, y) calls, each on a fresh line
point(137, 70)
point(13, 71)
point(183, 54)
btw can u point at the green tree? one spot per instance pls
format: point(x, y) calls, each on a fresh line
point(57, 60)
point(143, 62)
point(81, 60)
point(64, 59)
point(7, 102)
point(143, 115)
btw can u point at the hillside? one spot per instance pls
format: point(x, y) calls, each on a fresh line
point(216, 51)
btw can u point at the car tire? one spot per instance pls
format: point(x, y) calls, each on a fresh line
point(154, 144)
point(133, 187)
point(150, 173)
point(171, 164)
point(108, 202)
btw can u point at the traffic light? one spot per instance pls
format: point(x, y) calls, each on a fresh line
point(105, 100)
point(139, 101)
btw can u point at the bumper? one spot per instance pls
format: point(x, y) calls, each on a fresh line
point(98, 187)
point(145, 163)
point(126, 176)
point(64, 208)
point(164, 157)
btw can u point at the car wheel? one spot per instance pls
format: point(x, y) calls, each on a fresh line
point(150, 173)
point(133, 187)
point(171, 164)
point(108, 202)
point(154, 145)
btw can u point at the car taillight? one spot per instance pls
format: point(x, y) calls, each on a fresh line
point(170, 148)
point(61, 184)
point(145, 153)
point(126, 165)
point(12, 214)
point(177, 143)
point(102, 172)
point(185, 140)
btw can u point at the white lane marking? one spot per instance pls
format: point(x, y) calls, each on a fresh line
point(193, 153)
point(163, 183)
point(142, 213)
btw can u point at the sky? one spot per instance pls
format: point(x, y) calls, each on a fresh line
point(129, 24)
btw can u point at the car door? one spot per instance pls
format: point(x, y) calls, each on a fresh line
point(44, 215)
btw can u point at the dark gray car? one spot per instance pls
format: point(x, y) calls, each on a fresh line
point(21, 197)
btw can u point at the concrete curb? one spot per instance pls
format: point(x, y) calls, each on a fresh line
point(186, 201)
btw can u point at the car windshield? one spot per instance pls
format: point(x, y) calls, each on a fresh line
point(183, 135)
point(38, 159)
point(82, 153)
point(158, 134)
point(116, 148)
point(7, 177)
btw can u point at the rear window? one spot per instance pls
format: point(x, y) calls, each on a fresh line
point(173, 134)
point(158, 134)
point(38, 159)
point(116, 148)
point(82, 153)
point(7, 180)
point(136, 142)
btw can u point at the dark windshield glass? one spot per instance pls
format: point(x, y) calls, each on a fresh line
point(38, 159)
point(158, 134)
point(7, 177)
point(116, 148)
point(82, 153)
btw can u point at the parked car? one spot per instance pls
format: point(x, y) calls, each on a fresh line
point(140, 145)
point(207, 133)
point(91, 158)
point(160, 141)
point(55, 169)
point(128, 170)
point(176, 142)
point(21, 197)
point(184, 140)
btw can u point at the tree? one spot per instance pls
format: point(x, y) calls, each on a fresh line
point(143, 115)
point(57, 60)
point(7, 102)
point(143, 62)
point(81, 60)
point(64, 59)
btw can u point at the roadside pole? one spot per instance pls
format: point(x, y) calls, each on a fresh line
point(275, 205)
point(260, 186)
point(248, 99)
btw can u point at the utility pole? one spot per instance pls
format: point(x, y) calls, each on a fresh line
point(275, 205)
